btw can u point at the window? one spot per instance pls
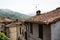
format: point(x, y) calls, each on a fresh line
point(41, 31)
point(3, 28)
point(7, 32)
point(31, 28)
point(20, 30)
point(26, 35)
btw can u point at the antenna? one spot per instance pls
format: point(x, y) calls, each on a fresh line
point(36, 6)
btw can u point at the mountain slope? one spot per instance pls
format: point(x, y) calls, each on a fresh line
point(12, 14)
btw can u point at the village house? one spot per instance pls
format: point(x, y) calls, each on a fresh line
point(14, 29)
point(17, 31)
point(45, 26)
point(3, 22)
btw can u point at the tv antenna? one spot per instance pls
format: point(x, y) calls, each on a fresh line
point(36, 6)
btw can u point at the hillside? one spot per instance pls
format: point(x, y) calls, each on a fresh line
point(12, 14)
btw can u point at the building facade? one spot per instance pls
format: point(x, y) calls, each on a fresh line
point(44, 26)
point(13, 29)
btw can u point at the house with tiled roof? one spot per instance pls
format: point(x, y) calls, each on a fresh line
point(13, 29)
point(44, 26)
point(16, 30)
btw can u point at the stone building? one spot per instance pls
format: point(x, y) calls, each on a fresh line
point(45, 26)
point(14, 29)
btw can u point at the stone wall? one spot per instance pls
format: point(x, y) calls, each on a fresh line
point(13, 33)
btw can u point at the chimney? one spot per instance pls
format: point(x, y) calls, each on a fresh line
point(38, 12)
point(16, 20)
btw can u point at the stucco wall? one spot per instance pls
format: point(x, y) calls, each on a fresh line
point(35, 35)
point(55, 31)
point(35, 30)
point(46, 32)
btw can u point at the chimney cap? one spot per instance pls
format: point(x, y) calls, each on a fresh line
point(38, 12)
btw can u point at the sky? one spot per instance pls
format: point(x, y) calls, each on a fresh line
point(29, 6)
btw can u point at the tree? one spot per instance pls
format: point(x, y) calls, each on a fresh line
point(3, 36)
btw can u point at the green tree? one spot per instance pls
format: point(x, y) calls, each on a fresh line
point(3, 36)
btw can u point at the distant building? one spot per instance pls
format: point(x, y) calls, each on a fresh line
point(44, 26)
point(14, 29)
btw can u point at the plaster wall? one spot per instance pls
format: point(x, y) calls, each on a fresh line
point(55, 31)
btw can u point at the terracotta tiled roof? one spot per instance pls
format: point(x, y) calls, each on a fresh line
point(46, 18)
point(1, 20)
point(14, 24)
point(8, 20)
point(18, 23)
point(5, 20)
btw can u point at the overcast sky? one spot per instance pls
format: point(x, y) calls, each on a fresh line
point(29, 6)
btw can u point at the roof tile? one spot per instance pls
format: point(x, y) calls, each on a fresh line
point(46, 18)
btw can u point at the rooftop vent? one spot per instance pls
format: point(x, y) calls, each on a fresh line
point(38, 12)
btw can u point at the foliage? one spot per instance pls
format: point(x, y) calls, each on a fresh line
point(12, 14)
point(3, 36)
